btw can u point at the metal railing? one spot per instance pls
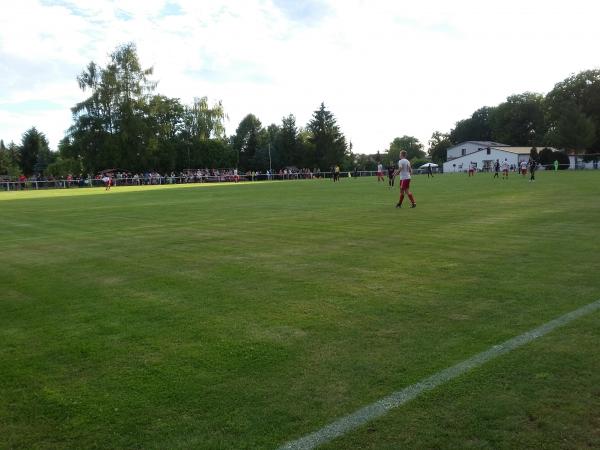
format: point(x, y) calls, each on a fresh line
point(157, 180)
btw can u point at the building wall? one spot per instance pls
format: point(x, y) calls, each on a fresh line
point(456, 151)
point(483, 160)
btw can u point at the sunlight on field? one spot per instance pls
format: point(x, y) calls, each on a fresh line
point(51, 193)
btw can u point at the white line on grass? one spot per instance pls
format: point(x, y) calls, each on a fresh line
point(381, 407)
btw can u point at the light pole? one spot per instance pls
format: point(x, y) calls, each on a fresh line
point(270, 167)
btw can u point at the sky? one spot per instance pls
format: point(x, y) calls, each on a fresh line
point(384, 68)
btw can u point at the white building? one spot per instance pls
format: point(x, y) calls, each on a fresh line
point(482, 157)
point(466, 148)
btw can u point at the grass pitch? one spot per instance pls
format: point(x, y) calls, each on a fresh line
point(244, 316)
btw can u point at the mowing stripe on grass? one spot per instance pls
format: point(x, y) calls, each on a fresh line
point(381, 407)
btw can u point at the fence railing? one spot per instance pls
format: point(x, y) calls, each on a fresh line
point(12, 185)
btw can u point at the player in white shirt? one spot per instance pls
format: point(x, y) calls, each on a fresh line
point(505, 166)
point(523, 168)
point(405, 172)
point(380, 173)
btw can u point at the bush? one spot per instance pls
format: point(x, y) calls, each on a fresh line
point(546, 157)
point(63, 167)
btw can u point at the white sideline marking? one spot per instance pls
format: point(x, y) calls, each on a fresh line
point(379, 408)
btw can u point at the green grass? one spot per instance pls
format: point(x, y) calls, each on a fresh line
point(244, 316)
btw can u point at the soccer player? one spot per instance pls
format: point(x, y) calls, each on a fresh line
point(523, 168)
point(107, 182)
point(380, 172)
point(429, 171)
point(496, 169)
point(391, 175)
point(505, 166)
point(405, 172)
point(532, 167)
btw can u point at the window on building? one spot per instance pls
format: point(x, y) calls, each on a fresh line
point(488, 151)
point(463, 151)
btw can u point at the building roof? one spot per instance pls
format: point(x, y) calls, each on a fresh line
point(482, 144)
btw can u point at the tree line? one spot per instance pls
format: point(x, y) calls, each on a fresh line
point(123, 124)
point(567, 118)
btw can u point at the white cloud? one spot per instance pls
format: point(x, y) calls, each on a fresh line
point(384, 68)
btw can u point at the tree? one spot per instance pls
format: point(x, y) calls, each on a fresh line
point(34, 153)
point(8, 160)
point(165, 125)
point(572, 129)
point(307, 149)
point(329, 143)
point(287, 143)
point(519, 120)
point(110, 127)
point(476, 128)
point(439, 143)
point(62, 167)
point(366, 162)
point(204, 122)
point(545, 156)
point(578, 96)
point(414, 149)
point(246, 141)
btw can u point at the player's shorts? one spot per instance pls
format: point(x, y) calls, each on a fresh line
point(405, 184)
point(379, 174)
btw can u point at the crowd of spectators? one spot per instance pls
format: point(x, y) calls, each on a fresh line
point(126, 178)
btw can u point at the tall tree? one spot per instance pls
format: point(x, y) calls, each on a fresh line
point(573, 108)
point(246, 141)
point(329, 142)
point(9, 164)
point(572, 129)
point(287, 141)
point(110, 126)
point(34, 153)
point(166, 124)
point(204, 121)
point(4, 159)
point(438, 144)
point(520, 120)
point(476, 128)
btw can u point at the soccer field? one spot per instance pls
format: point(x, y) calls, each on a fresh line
point(245, 316)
